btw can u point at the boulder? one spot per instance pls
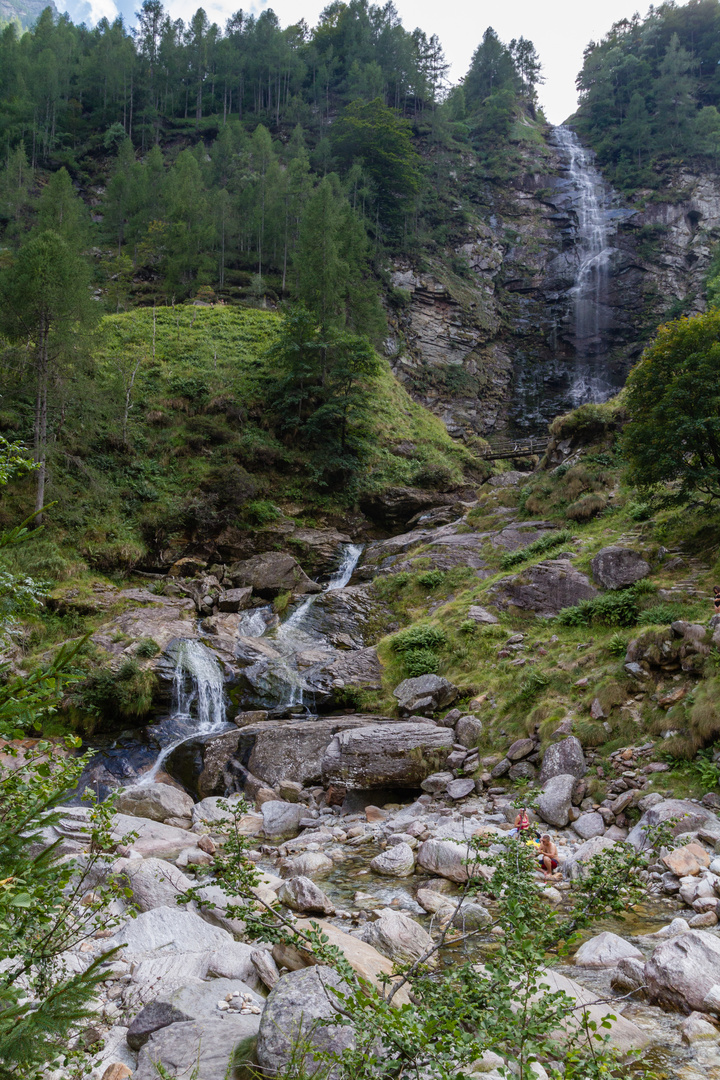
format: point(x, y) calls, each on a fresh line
point(276, 750)
point(281, 819)
point(697, 1028)
point(271, 573)
point(605, 950)
point(563, 758)
point(395, 506)
point(444, 858)
point(363, 958)
point(299, 1012)
point(171, 929)
point(689, 817)
point(234, 600)
point(199, 999)
point(468, 730)
point(393, 754)
point(156, 1015)
point(460, 788)
point(520, 749)
point(436, 782)
point(575, 866)
point(397, 936)
point(206, 1046)
point(545, 588)
point(154, 801)
point(348, 617)
point(623, 1034)
point(308, 864)
point(616, 567)
point(589, 825)
point(424, 695)
point(554, 804)
point(154, 882)
point(215, 810)
point(397, 861)
point(687, 861)
point(302, 894)
point(481, 615)
point(683, 970)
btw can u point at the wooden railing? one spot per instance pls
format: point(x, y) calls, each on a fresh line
point(509, 448)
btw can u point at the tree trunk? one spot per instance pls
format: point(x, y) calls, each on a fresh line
point(40, 441)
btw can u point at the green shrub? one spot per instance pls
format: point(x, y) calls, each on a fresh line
point(609, 609)
point(431, 579)
point(468, 626)
point(542, 544)
point(587, 508)
point(660, 613)
point(421, 662)
point(261, 512)
point(147, 648)
point(418, 637)
point(617, 645)
point(118, 694)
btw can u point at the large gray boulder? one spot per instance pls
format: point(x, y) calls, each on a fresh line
point(444, 858)
point(271, 573)
point(299, 1013)
point(204, 1045)
point(397, 861)
point(616, 567)
point(683, 970)
point(554, 804)
point(605, 950)
point(589, 825)
point(397, 936)
point(302, 894)
point(468, 731)
point(563, 758)
point(154, 882)
point(156, 1015)
point(393, 754)
point(576, 865)
point(424, 695)
point(171, 929)
point(281, 819)
point(688, 817)
point(292, 751)
point(545, 588)
point(158, 802)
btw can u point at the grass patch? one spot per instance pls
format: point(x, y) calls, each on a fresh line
point(538, 547)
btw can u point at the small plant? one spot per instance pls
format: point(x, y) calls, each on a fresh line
point(431, 579)
point(538, 547)
point(261, 512)
point(418, 637)
point(609, 609)
point(617, 645)
point(660, 613)
point(531, 685)
point(468, 627)
point(147, 648)
point(586, 508)
point(707, 770)
point(421, 662)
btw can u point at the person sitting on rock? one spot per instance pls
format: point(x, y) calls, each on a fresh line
point(522, 823)
point(548, 855)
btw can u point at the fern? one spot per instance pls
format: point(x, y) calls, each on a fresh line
point(538, 547)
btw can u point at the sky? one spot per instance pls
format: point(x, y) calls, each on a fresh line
point(560, 29)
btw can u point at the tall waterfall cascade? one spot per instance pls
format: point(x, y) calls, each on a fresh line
point(590, 314)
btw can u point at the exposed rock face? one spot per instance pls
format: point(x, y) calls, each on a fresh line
point(605, 950)
point(300, 1011)
point(616, 567)
point(395, 506)
point(683, 970)
point(271, 573)
point(565, 757)
point(207, 1044)
point(545, 588)
point(424, 695)
point(155, 801)
point(397, 936)
point(318, 548)
point(683, 646)
point(554, 804)
point(690, 816)
point(349, 618)
point(392, 754)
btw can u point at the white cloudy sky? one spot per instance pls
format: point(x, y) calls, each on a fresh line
point(560, 29)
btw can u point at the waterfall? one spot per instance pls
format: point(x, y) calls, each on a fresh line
point(338, 580)
point(198, 700)
point(590, 313)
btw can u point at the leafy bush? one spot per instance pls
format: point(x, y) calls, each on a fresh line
point(468, 626)
point(617, 645)
point(660, 613)
point(147, 648)
point(117, 694)
point(261, 512)
point(421, 662)
point(418, 637)
point(531, 685)
point(610, 609)
point(538, 547)
point(431, 579)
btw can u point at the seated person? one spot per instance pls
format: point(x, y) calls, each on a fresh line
point(522, 823)
point(547, 855)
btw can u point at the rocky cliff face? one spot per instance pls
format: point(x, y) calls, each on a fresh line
point(482, 333)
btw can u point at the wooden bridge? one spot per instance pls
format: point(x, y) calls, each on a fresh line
point(510, 448)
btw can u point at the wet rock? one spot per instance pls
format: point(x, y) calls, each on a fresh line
point(299, 1013)
point(575, 866)
point(302, 894)
point(545, 588)
point(697, 1028)
point(605, 950)
point(563, 758)
point(629, 975)
point(555, 803)
point(234, 600)
point(281, 819)
point(461, 788)
point(397, 936)
point(354, 616)
point(690, 817)
point(468, 731)
point(156, 802)
point(206, 1045)
point(156, 1015)
point(682, 970)
point(397, 861)
point(392, 754)
point(271, 573)
point(424, 695)
point(589, 825)
point(616, 567)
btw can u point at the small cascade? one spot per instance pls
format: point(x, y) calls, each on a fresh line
point(198, 701)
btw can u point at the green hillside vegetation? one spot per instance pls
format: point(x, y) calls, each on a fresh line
point(172, 435)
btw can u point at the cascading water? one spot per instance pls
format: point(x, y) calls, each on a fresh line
point(198, 701)
point(590, 314)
